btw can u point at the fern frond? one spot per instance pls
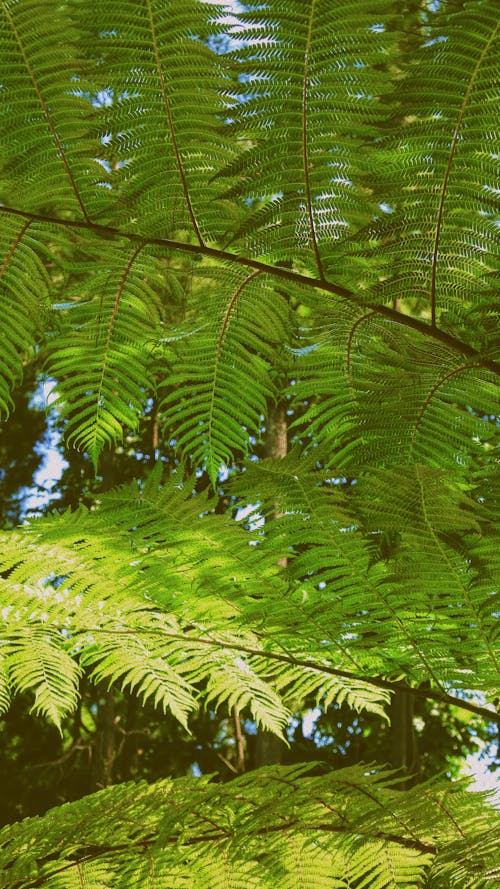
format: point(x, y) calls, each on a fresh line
point(134, 665)
point(475, 866)
point(395, 611)
point(23, 302)
point(161, 117)
point(212, 410)
point(345, 616)
point(376, 396)
point(441, 183)
point(442, 531)
point(311, 89)
point(36, 661)
point(87, 875)
point(43, 95)
point(114, 579)
point(104, 611)
point(102, 359)
point(275, 825)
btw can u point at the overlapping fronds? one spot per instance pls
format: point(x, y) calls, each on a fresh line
point(291, 201)
point(342, 829)
point(157, 598)
point(212, 410)
point(312, 81)
point(103, 353)
point(398, 575)
point(131, 119)
point(440, 187)
point(377, 397)
point(160, 597)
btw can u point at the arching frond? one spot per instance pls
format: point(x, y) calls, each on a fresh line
point(102, 358)
point(23, 301)
point(311, 89)
point(441, 182)
point(44, 113)
point(36, 661)
point(212, 410)
point(161, 117)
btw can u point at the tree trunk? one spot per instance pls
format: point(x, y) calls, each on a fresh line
point(269, 749)
point(105, 743)
point(403, 741)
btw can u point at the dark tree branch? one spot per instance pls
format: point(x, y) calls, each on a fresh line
point(441, 697)
point(277, 271)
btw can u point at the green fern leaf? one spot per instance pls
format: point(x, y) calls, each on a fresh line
point(23, 292)
point(115, 330)
point(218, 413)
point(37, 662)
point(281, 824)
point(4, 686)
point(439, 241)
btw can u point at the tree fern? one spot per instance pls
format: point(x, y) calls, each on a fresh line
point(116, 325)
point(338, 828)
point(23, 302)
point(302, 214)
point(218, 413)
point(443, 226)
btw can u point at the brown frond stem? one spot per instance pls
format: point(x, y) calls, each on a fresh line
point(377, 681)
point(276, 271)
